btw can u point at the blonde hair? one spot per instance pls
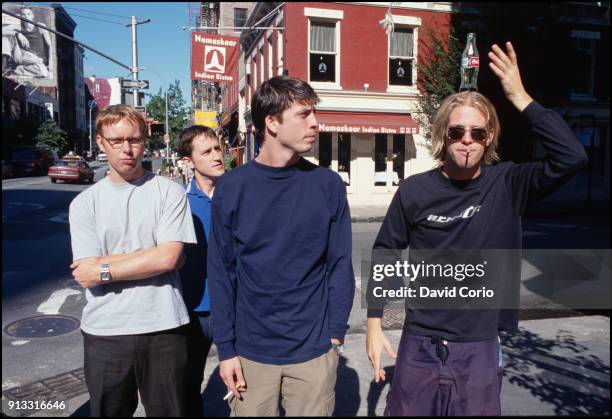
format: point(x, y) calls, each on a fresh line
point(115, 113)
point(440, 124)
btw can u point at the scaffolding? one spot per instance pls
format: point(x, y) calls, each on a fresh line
point(204, 94)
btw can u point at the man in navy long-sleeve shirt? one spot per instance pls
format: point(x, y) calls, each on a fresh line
point(279, 264)
point(449, 361)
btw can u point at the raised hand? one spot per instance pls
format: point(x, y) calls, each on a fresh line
point(505, 67)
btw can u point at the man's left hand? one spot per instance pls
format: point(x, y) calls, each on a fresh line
point(87, 272)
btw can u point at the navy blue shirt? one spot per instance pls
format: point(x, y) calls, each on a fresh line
point(279, 263)
point(431, 211)
point(194, 272)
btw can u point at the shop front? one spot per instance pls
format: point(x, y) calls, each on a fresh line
point(371, 152)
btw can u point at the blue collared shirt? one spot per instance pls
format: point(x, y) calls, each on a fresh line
point(194, 273)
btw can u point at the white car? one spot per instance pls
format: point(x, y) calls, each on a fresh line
point(102, 157)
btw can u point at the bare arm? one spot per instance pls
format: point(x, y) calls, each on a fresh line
point(134, 266)
point(376, 341)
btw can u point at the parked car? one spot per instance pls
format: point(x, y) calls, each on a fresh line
point(7, 170)
point(32, 160)
point(102, 157)
point(73, 157)
point(71, 170)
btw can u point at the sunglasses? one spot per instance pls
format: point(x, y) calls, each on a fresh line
point(456, 133)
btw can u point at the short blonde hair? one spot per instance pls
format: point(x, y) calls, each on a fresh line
point(440, 124)
point(115, 113)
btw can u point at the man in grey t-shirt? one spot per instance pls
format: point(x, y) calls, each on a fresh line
point(128, 233)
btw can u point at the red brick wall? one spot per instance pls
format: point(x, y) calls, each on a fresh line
point(363, 42)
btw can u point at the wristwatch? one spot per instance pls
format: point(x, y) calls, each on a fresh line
point(105, 275)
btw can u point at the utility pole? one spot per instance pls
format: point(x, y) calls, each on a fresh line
point(167, 134)
point(135, 54)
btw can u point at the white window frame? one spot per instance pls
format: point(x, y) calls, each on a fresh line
point(405, 22)
point(280, 55)
point(330, 16)
point(270, 58)
point(592, 36)
point(262, 59)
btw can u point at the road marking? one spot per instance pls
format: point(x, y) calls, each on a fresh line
point(56, 300)
point(61, 218)
point(20, 342)
point(27, 204)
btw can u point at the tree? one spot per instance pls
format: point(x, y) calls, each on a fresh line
point(52, 136)
point(178, 112)
point(438, 76)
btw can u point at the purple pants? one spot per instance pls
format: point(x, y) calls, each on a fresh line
point(435, 377)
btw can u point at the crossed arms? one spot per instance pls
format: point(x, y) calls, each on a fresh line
point(136, 265)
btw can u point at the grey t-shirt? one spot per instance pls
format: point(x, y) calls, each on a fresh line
point(109, 219)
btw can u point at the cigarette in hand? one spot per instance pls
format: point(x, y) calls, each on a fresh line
point(228, 395)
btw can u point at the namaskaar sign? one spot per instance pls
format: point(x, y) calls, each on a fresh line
point(214, 57)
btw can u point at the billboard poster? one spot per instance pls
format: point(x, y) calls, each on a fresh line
point(214, 57)
point(28, 51)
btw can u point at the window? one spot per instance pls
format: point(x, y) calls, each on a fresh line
point(240, 17)
point(344, 157)
point(325, 149)
point(261, 66)
point(380, 160)
point(270, 64)
point(255, 79)
point(323, 51)
point(401, 57)
point(280, 53)
point(583, 65)
point(399, 146)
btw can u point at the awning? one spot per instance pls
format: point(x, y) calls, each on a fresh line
point(366, 122)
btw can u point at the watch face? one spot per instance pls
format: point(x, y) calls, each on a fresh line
point(105, 275)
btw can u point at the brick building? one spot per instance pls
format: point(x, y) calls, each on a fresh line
point(365, 79)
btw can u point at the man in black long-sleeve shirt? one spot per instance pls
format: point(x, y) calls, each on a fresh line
point(449, 361)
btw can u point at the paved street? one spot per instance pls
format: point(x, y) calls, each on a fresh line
point(36, 281)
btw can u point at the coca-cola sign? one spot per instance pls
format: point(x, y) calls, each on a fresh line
point(473, 62)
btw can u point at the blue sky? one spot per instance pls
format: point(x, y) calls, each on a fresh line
point(163, 47)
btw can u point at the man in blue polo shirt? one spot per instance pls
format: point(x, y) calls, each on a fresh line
point(201, 151)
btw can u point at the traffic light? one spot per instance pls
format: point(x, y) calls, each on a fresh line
point(157, 130)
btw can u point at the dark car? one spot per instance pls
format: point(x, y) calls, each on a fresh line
point(71, 170)
point(7, 170)
point(32, 160)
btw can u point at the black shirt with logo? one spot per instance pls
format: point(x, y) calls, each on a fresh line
point(431, 211)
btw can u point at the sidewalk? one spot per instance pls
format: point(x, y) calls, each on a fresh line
point(552, 367)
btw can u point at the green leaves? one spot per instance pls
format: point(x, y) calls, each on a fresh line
point(178, 112)
point(50, 135)
point(438, 76)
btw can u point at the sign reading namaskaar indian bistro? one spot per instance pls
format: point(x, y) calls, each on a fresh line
point(214, 57)
point(367, 129)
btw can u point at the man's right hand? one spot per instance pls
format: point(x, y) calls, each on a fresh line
point(376, 341)
point(231, 374)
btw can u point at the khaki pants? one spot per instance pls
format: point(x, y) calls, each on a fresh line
point(307, 389)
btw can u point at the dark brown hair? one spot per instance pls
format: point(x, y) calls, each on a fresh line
point(186, 137)
point(275, 96)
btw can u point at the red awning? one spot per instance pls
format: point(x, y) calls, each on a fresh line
point(366, 122)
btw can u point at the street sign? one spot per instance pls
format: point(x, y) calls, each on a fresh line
point(134, 84)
